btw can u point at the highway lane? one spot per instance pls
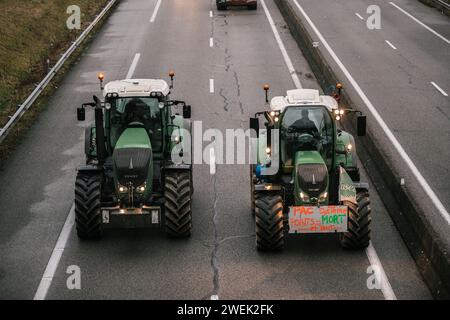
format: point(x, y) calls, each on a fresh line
point(398, 82)
point(145, 264)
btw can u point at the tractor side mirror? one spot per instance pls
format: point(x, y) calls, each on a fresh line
point(81, 114)
point(186, 112)
point(254, 125)
point(361, 126)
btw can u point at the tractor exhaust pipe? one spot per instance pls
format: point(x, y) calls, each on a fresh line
point(99, 131)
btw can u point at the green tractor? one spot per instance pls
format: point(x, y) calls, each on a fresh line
point(131, 179)
point(304, 176)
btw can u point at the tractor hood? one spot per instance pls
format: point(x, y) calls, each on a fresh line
point(133, 157)
point(311, 173)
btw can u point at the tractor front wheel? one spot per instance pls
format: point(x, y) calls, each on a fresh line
point(88, 216)
point(178, 214)
point(359, 219)
point(269, 222)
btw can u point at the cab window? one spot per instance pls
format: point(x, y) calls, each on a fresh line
point(306, 128)
point(142, 111)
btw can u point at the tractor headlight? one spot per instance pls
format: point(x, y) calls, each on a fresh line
point(304, 196)
point(323, 197)
point(122, 189)
point(141, 189)
point(176, 139)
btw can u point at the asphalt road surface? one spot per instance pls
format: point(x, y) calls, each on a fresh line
point(402, 69)
point(37, 182)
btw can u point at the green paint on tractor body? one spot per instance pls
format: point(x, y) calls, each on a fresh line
point(306, 159)
point(131, 139)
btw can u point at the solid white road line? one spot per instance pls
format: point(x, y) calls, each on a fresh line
point(211, 42)
point(287, 60)
point(359, 16)
point(211, 85)
point(133, 66)
point(426, 187)
point(155, 12)
point(382, 278)
point(53, 262)
point(391, 45)
point(439, 89)
point(421, 23)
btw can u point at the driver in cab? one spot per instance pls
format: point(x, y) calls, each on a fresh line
point(305, 125)
point(302, 126)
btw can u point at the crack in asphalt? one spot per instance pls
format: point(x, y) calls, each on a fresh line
point(228, 58)
point(216, 242)
point(241, 105)
point(225, 100)
point(238, 86)
point(237, 237)
point(214, 259)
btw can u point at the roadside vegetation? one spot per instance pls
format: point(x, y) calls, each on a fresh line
point(33, 32)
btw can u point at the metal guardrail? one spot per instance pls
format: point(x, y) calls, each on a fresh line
point(43, 84)
point(445, 4)
point(440, 4)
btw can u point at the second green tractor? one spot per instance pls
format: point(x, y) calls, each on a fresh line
point(305, 177)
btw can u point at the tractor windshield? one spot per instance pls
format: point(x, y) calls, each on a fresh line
point(141, 111)
point(306, 128)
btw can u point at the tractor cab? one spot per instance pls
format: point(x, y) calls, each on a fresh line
point(307, 129)
point(136, 110)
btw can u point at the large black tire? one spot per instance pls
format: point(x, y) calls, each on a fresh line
point(178, 214)
point(269, 222)
point(252, 6)
point(359, 218)
point(88, 216)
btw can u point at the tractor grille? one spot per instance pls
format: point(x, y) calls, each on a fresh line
point(132, 165)
point(313, 178)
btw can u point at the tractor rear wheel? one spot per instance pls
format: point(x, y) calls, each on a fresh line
point(269, 222)
point(359, 219)
point(88, 216)
point(178, 214)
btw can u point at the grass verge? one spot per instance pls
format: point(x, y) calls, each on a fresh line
point(34, 32)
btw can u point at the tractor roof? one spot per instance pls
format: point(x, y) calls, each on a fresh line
point(137, 87)
point(302, 97)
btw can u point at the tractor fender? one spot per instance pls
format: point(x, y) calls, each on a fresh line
point(89, 169)
point(179, 167)
point(350, 160)
point(267, 187)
